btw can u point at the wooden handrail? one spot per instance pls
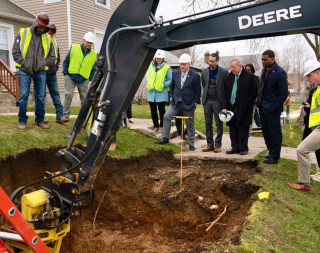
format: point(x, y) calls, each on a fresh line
point(9, 80)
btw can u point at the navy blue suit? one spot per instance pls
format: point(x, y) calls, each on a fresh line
point(183, 102)
point(191, 91)
point(273, 95)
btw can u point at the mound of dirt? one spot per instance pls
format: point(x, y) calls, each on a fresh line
point(140, 206)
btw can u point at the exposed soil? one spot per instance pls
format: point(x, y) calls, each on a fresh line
point(144, 209)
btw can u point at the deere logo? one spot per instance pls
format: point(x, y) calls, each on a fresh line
point(269, 17)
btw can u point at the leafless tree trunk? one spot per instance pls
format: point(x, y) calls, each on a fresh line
point(196, 52)
point(193, 6)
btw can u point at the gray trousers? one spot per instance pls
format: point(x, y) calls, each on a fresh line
point(213, 107)
point(309, 144)
point(70, 85)
point(168, 116)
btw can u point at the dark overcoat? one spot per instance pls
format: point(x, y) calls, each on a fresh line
point(247, 91)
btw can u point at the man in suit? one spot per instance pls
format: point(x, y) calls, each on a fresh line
point(273, 91)
point(185, 91)
point(213, 100)
point(241, 92)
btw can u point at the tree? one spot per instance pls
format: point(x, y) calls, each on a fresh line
point(195, 52)
point(193, 6)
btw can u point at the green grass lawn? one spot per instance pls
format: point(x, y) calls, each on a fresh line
point(14, 142)
point(288, 221)
point(294, 106)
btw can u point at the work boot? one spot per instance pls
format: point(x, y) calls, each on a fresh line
point(43, 126)
point(22, 127)
point(63, 119)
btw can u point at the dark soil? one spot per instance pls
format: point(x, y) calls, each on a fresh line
point(140, 206)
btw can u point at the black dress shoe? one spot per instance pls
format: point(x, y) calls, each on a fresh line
point(266, 156)
point(243, 152)
point(185, 137)
point(270, 161)
point(232, 151)
point(191, 148)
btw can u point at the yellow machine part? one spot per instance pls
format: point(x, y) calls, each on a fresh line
point(33, 205)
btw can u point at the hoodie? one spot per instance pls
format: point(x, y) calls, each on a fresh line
point(34, 60)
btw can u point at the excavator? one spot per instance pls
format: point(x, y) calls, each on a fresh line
point(37, 221)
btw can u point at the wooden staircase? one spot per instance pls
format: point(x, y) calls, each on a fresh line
point(9, 90)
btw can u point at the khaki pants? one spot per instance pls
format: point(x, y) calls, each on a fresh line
point(309, 144)
point(70, 85)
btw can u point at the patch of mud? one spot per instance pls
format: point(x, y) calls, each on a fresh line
point(144, 209)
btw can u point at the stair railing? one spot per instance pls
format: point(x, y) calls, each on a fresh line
point(9, 80)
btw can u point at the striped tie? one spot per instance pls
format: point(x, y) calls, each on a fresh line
point(183, 78)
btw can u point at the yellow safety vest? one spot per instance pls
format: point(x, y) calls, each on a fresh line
point(314, 119)
point(156, 79)
point(25, 39)
point(79, 64)
point(55, 46)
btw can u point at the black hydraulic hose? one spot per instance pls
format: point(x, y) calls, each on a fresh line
point(61, 223)
point(53, 192)
point(90, 203)
point(57, 175)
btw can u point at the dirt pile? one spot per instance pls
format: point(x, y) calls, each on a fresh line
point(140, 206)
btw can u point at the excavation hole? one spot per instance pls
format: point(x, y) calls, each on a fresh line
point(144, 209)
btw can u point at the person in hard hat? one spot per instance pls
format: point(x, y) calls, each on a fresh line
point(185, 91)
point(79, 67)
point(33, 53)
point(273, 91)
point(312, 142)
point(213, 81)
point(241, 92)
point(51, 79)
point(159, 79)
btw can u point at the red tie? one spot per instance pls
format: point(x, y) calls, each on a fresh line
point(267, 72)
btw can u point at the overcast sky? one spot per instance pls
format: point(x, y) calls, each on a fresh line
point(171, 9)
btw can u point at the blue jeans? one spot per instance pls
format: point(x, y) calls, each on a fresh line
point(55, 95)
point(39, 80)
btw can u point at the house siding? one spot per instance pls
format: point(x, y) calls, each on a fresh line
point(16, 25)
point(85, 16)
point(89, 10)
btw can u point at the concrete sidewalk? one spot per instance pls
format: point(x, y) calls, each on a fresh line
point(256, 144)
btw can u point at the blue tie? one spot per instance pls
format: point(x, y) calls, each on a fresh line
point(234, 90)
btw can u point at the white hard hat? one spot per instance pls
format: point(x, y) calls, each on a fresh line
point(225, 117)
point(160, 54)
point(89, 37)
point(310, 66)
point(185, 58)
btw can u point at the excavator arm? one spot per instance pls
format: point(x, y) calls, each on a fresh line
point(130, 42)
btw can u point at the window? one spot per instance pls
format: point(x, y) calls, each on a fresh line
point(6, 42)
point(103, 3)
point(51, 1)
point(99, 39)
